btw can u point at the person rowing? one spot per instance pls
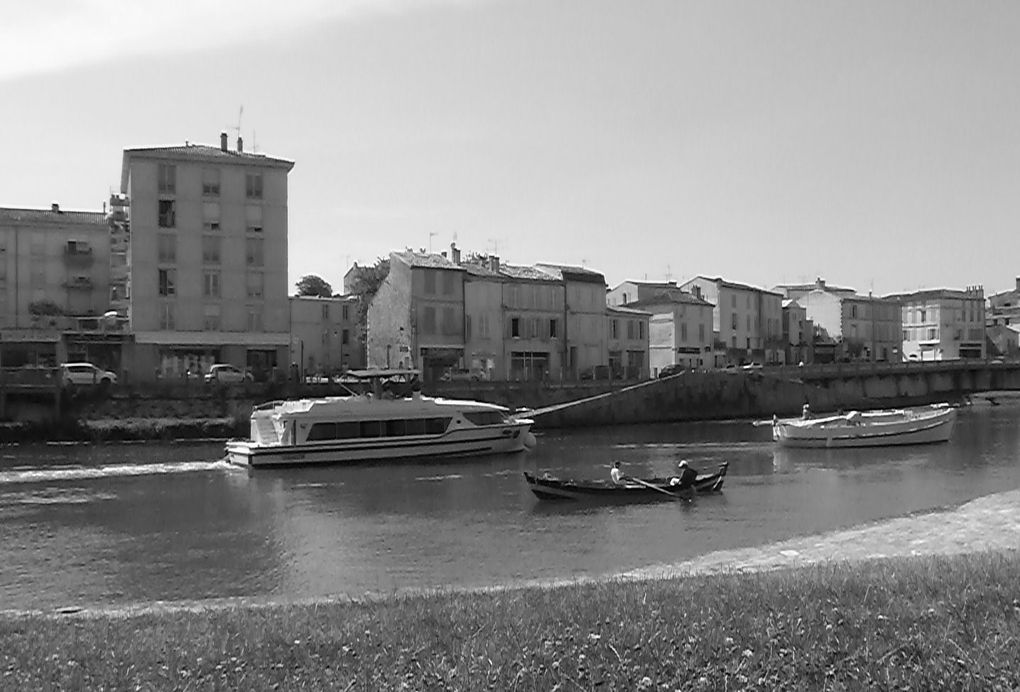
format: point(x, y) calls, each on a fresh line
point(616, 474)
point(686, 478)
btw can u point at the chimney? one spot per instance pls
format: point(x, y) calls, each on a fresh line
point(1018, 283)
point(223, 141)
point(240, 145)
point(820, 283)
point(55, 208)
point(494, 263)
point(454, 253)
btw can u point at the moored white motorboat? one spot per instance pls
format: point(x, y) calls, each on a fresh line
point(921, 425)
point(376, 427)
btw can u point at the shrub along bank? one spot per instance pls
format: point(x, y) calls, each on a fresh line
point(913, 623)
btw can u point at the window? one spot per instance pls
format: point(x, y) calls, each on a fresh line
point(256, 284)
point(430, 282)
point(701, 332)
point(932, 333)
point(924, 315)
point(325, 312)
point(254, 318)
point(429, 319)
point(211, 182)
point(448, 283)
point(167, 214)
point(211, 249)
point(167, 281)
point(211, 284)
point(449, 325)
point(345, 337)
point(614, 328)
point(552, 329)
point(748, 323)
point(683, 331)
point(253, 185)
point(167, 248)
point(167, 178)
point(253, 218)
point(254, 252)
point(640, 330)
point(630, 329)
point(211, 317)
point(166, 316)
point(733, 321)
point(515, 327)
point(853, 311)
point(211, 216)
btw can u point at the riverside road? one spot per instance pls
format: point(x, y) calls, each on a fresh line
point(128, 525)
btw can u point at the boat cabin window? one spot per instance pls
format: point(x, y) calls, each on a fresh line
point(485, 417)
point(377, 428)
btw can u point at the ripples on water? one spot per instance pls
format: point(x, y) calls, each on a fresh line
point(121, 524)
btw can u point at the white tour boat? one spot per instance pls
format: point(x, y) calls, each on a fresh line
point(377, 427)
point(878, 428)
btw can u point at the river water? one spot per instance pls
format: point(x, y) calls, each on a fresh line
point(120, 525)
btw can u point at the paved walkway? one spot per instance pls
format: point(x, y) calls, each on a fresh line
point(987, 523)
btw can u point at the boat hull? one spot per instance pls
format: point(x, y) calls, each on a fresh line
point(650, 490)
point(876, 429)
point(500, 439)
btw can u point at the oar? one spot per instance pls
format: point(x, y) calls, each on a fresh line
point(653, 487)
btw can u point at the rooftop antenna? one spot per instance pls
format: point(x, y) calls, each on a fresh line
point(240, 113)
point(431, 233)
point(495, 246)
point(254, 143)
point(669, 274)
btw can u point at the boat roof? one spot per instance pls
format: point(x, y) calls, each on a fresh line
point(371, 407)
point(374, 373)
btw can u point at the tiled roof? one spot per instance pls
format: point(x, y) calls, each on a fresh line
point(515, 271)
point(733, 284)
point(655, 284)
point(199, 152)
point(672, 295)
point(627, 310)
point(49, 217)
point(572, 273)
point(426, 260)
point(928, 293)
point(782, 288)
point(206, 152)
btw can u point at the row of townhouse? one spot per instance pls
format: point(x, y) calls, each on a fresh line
point(501, 321)
point(712, 322)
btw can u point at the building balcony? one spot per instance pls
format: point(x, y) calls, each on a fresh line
point(79, 283)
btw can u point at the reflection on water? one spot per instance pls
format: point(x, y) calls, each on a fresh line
point(132, 523)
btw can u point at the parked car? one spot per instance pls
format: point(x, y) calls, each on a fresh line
point(86, 374)
point(461, 375)
point(670, 370)
point(225, 373)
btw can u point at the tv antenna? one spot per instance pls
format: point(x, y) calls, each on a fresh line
point(240, 113)
point(431, 234)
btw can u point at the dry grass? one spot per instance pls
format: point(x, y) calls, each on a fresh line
point(918, 623)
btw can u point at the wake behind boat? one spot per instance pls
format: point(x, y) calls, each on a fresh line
point(377, 426)
point(631, 490)
point(877, 428)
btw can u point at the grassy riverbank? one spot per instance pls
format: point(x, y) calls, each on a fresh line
point(917, 623)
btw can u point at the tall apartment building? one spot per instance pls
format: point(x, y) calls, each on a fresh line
point(207, 258)
point(942, 323)
point(54, 284)
point(747, 320)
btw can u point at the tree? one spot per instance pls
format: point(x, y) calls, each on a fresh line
point(364, 284)
point(44, 306)
point(312, 285)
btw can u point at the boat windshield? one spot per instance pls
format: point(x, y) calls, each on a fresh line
point(486, 417)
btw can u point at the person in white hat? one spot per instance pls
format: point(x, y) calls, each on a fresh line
point(687, 476)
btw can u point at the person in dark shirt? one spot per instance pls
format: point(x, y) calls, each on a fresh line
point(686, 478)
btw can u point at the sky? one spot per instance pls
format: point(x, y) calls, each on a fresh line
point(873, 144)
